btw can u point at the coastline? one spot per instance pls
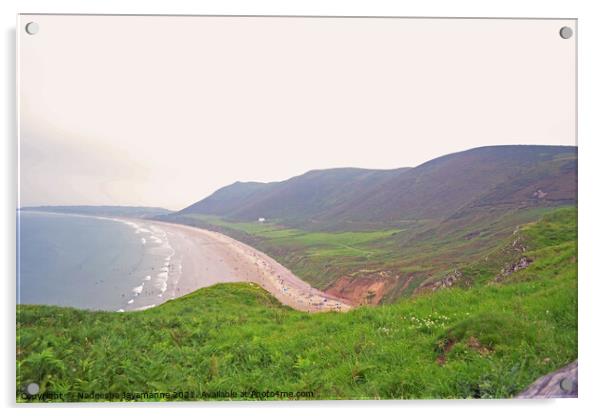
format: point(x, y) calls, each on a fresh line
point(98, 278)
point(207, 257)
point(188, 258)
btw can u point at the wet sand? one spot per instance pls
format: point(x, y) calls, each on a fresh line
point(207, 257)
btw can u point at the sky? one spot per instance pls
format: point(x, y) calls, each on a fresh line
point(163, 111)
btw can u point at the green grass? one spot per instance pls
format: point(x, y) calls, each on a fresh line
point(317, 257)
point(490, 340)
point(421, 250)
point(295, 236)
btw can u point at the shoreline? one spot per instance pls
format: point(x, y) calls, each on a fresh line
point(126, 271)
point(208, 257)
point(194, 258)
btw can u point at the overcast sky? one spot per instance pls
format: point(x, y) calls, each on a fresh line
point(162, 111)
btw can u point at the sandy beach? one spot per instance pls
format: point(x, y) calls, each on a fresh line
point(205, 258)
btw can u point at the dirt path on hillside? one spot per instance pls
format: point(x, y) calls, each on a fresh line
point(207, 257)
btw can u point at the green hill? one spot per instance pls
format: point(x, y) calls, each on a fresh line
point(354, 199)
point(488, 338)
point(373, 236)
point(297, 201)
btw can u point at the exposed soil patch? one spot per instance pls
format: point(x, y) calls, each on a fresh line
point(472, 343)
point(445, 348)
point(363, 290)
point(476, 345)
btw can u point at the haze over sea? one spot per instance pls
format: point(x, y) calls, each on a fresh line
point(90, 262)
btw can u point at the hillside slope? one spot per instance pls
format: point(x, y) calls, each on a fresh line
point(299, 200)
point(509, 176)
point(375, 236)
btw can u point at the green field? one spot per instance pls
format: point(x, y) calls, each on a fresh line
point(422, 250)
point(317, 257)
point(485, 339)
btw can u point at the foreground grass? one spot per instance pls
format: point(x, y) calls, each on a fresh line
point(491, 340)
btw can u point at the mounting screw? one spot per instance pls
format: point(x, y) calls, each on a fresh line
point(566, 384)
point(33, 388)
point(32, 28)
point(566, 32)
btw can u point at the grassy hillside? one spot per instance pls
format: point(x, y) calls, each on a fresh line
point(404, 257)
point(488, 340)
point(372, 236)
point(295, 201)
point(440, 187)
point(352, 199)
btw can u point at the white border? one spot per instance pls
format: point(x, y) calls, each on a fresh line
point(590, 202)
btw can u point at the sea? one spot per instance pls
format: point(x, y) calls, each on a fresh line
point(94, 263)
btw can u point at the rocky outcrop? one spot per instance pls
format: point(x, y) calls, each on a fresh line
point(519, 261)
point(447, 281)
point(560, 383)
point(539, 194)
point(513, 267)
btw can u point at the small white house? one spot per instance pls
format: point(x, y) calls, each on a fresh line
point(260, 219)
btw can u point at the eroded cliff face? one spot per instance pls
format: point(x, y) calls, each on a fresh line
point(367, 289)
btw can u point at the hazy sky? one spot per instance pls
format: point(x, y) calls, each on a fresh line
point(162, 111)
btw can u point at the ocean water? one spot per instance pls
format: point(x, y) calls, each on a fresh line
point(91, 262)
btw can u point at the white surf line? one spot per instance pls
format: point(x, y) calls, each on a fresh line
point(165, 272)
point(158, 237)
point(138, 229)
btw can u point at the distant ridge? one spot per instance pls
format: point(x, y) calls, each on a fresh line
point(511, 176)
point(101, 210)
point(297, 199)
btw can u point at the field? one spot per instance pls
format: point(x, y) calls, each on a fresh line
point(488, 338)
point(317, 257)
point(414, 252)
